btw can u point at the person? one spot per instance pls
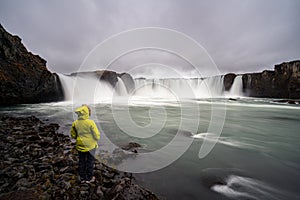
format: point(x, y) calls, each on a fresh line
point(86, 133)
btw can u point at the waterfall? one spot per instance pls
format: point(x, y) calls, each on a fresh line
point(152, 88)
point(85, 89)
point(211, 87)
point(120, 87)
point(67, 83)
point(236, 89)
point(249, 81)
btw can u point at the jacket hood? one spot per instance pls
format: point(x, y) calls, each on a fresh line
point(82, 112)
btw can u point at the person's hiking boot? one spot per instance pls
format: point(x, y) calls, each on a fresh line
point(92, 180)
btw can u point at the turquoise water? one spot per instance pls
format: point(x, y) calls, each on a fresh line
point(256, 156)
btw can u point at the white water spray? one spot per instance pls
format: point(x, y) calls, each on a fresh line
point(85, 89)
point(121, 87)
point(236, 88)
point(180, 88)
point(89, 89)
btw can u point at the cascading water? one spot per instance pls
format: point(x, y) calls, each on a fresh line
point(152, 88)
point(210, 87)
point(85, 89)
point(249, 81)
point(180, 88)
point(236, 89)
point(121, 87)
point(89, 89)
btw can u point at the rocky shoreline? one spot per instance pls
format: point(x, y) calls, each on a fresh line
point(37, 162)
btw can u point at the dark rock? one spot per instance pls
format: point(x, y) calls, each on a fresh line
point(110, 77)
point(128, 81)
point(284, 82)
point(23, 75)
point(34, 138)
point(42, 167)
point(127, 189)
point(291, 102)
point(51, 172)
point(28, 194)
point(228, 81)
point(99, 192)
point(232, 99)
point(23, 182)
point(282, 101)
point(288, 101)
point(130, 146)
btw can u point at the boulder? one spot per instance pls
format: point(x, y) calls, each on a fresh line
point(126, 188)
point(24, 77)
point(131, 146)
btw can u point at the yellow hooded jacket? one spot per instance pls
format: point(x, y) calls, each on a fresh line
point(85, 131)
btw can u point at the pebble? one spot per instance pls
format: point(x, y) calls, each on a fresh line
point(38, 162)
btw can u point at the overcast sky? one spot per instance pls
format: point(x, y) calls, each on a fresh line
point(239, 35)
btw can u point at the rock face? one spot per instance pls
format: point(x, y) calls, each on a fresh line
point(228, 81)
point(283, 82)
point(24, 77)
point(37, 162)
point(128, 81)
point(110, 77)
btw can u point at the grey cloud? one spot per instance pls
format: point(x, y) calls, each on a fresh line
point(240, 36)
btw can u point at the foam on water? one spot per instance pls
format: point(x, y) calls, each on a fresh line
point(227, 191)
point(248, 102)
point(239, 187)
point(225, 141)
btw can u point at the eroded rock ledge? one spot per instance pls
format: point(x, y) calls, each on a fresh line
point(283, 82)
point(37, 162)
point(110, 77)
point(24, 77)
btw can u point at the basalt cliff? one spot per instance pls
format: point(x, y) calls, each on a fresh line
point(283, 82)
point(24, 76)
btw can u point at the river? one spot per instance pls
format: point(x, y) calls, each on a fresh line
point(256, 153)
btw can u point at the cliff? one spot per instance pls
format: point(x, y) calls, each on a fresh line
point(283, 82)
point(110, 77)
point(24, 77)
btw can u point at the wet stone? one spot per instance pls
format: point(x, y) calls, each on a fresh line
point(43, 164)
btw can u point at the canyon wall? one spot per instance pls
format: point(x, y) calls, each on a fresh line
point(24, 76)
point(283, 82)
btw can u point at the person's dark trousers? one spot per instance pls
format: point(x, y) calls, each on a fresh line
point(86, 164)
